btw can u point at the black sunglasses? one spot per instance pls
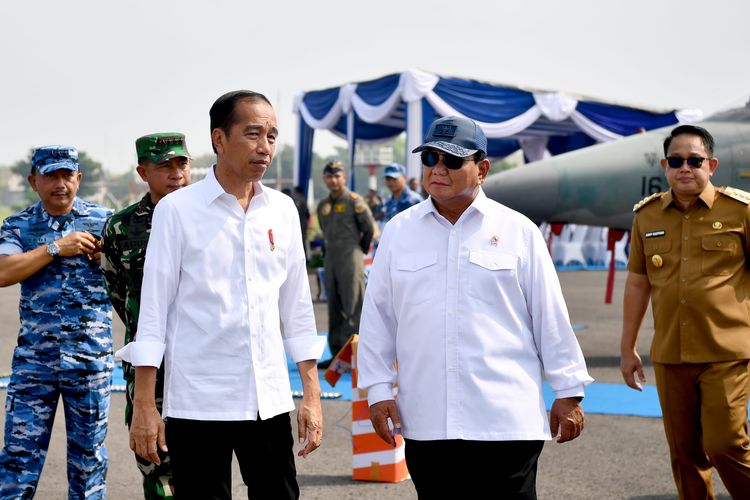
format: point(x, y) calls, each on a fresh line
point(692, 161)
point(453, 162)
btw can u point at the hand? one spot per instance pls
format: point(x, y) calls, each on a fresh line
point(78, 243)
point(379, 415)
point(567, 416)
point(147, 432)
point(631, 364)
point(309, 424)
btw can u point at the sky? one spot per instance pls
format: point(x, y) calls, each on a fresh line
point(97, 74)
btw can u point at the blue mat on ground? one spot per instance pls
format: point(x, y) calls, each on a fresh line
point(601, 398)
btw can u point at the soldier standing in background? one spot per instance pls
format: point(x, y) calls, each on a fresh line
point(65, 340)
point(401, 196)
point(348, 229)
point(164, 164)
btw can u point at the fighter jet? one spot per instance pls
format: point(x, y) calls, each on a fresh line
point(599, 185)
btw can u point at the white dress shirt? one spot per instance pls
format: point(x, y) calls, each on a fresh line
point(475, 317)
point(216, 282)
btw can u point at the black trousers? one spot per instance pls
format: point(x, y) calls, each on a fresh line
point(201, 453)
point(475, 469)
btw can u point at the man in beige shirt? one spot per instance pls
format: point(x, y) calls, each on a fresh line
point(688, 253)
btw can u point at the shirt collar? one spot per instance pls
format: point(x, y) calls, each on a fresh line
point(145, 206)
point(481, 203)
point(78, 209)
point(212, 189)
point(707, 196)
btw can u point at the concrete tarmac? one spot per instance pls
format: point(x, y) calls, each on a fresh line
point(617, 457)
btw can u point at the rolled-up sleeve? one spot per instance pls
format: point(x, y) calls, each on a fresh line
point(161, 275)
point(301, 340)
point(376, 352)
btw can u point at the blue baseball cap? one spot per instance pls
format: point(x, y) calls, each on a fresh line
point(47, 159)
point(395, 170)
point(455, 135)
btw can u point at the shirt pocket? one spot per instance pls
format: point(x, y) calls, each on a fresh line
point(415, 276)
point(717, 254)
point(657, 258)
point(489, 273)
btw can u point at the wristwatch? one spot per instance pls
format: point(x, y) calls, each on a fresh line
point(53, 249)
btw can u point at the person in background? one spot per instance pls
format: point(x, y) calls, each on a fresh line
point(164, 164)
point(348, 228)
point(300, 201)
point(65, 342)
point(402, 197)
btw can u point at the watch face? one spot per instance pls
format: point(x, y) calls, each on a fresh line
point(53, 249)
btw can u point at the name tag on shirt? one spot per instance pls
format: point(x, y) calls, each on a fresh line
point(655, 234)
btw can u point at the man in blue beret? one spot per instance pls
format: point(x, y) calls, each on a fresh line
point(65, 342)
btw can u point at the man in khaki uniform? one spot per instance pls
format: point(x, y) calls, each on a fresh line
point(348, 228)
point(689, 252)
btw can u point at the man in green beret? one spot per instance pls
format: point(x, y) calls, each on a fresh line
point(164, 164)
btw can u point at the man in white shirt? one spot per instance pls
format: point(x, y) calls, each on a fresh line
point(224, 266)
point(463, 296)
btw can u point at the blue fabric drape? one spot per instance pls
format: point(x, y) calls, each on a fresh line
point(483, 102)
point(622, 120)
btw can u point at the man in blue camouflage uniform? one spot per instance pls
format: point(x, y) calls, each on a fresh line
point(65, 340)
point(164, 164)
point(401, 196)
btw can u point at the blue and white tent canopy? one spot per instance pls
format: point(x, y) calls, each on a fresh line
point(540, 123)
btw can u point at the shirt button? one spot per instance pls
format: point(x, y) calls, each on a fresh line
point(450, 312)
point(687, 216)
point(685, 238)
point(684, 259)
point(684, 323)
point(718, 243)
point(684, 280)
point(682, 301)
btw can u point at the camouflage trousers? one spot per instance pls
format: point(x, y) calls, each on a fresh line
point(157, 479)
point(30, 406)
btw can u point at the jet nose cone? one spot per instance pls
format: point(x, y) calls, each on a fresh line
point(530, 189)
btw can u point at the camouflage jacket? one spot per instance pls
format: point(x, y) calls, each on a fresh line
point(65, 313)
point(124, 252)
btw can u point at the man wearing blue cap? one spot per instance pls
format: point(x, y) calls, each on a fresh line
point(65, 342)
point(464, 309)
point(401, 196)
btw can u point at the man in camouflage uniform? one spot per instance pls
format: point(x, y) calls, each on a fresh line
point(401, 196)
point(348, 229)
point(65, 340)
point(164, 164)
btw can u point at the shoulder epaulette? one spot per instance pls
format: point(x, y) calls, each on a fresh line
point(645, 201)
point(737, 194)
point(354, 196)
